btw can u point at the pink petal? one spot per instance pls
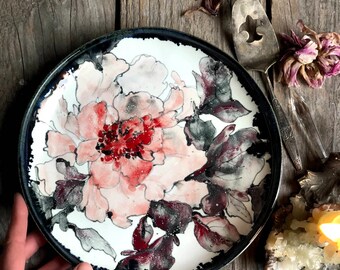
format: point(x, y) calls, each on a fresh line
point(145, 74)
point(166, 120)
point(59, 109)
point(59, 144)
point(175, 100)
point(190, 192)
point(47, 173)
point(111, 116)
point(95, 204)
point(103, 174)
point(93, 83)
point(308, 53)
point(86, 151)
point(180, 160)
point(91, 120)
point(137, 105)
point(72, 124)
point(125, 202)
point(290, 70)
point(159, 158)
point(156, 142)
point(190, 97)
point(135, 170)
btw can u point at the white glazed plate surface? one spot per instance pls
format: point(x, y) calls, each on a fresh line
point(149, 149)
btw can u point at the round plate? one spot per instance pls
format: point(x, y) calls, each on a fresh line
point(144, 145)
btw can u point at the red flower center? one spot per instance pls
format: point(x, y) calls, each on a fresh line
point(125, 138)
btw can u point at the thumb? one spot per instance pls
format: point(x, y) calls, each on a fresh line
point(83, 266)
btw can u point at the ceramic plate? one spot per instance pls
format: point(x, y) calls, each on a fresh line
point(150, 149)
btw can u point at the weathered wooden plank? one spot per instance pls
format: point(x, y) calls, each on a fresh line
point(38, 34)
point(324, 103)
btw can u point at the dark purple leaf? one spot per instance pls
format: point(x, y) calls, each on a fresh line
point(236, 208)
point(215, 201)
point(213, 85)
point(91, 239)
point(229, 165)
point(239, 195)
point(215, 150)
point(211, 6)
point(172, 217)
point(199, 133)
point(227, 111)
point(157, 257)
point(142, 234)
point(68, 192)
point(257, 197)
point(69, 172)
point(214, 81)
point(215, 234)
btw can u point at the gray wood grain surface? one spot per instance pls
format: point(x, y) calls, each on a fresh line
point(37, 34)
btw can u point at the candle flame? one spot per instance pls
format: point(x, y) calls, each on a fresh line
point(331, 231)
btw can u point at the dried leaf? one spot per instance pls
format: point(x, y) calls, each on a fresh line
point(210, 7)
point(323, 187)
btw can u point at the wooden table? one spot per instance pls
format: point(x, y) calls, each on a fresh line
point(36, 34)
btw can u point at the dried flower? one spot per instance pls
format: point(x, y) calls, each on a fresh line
point(314, 57)
point(210, 7)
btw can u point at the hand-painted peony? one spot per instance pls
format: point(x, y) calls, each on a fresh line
point(314, 56)
point(130, 141)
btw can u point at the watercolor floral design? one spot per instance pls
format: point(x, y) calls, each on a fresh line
point(150, 157)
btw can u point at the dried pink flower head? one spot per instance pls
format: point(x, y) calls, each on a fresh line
point(313, 58)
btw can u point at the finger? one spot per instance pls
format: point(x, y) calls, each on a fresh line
point(18, 227)
point(34, 241)
point(57, 263)
point(83, 266)
point(14, 249)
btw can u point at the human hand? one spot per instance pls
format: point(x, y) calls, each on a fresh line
point(19, 246)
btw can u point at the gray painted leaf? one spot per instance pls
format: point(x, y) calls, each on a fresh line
point(199, 133)
point(70, 172)
point(236, 208)
point(61, 219)
point(91, 239)
point(46, 203)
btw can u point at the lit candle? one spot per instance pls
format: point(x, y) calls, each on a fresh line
point(329, 225)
